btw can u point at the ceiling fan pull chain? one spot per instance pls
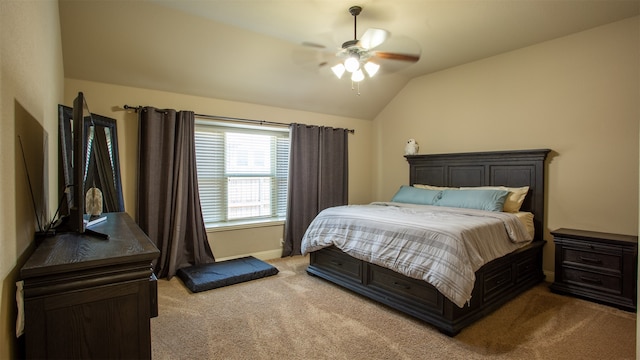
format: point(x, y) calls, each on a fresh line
point(353, 87)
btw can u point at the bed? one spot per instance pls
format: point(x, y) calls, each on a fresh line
point(494, 283)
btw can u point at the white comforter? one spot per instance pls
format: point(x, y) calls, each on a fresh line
point(440, 245)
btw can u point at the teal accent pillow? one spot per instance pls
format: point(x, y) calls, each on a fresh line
point(411, 195)
point(490, 200)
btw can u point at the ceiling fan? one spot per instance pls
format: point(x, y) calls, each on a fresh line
point(356, 55)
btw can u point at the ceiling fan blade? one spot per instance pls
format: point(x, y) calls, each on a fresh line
point(396, 56)
point(373, 38)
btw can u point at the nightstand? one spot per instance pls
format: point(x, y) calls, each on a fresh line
point(596, 266)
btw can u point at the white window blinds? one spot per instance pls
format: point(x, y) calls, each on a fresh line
point(242, 173)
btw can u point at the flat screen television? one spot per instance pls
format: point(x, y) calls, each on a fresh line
point(74, 193)
point(75, 201)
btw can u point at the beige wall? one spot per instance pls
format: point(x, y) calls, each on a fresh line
point(262, 242)
point(31, 85)
point(577, 95)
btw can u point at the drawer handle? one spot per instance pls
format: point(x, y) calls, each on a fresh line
point(404, 286)
point(591, 260)
point(591, 280)
point(336, 262)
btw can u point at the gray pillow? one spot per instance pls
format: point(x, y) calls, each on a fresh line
point(491, 200)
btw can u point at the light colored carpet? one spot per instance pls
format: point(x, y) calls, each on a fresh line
point(296, 316)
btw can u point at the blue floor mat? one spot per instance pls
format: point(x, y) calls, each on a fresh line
point(210, 276)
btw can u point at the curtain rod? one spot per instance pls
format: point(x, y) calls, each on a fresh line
point(224, 118)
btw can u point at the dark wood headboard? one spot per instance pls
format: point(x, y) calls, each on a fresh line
point(496, 168)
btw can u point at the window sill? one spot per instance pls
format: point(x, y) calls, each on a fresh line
point(243, 224)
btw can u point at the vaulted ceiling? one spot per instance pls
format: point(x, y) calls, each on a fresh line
point(279, 52)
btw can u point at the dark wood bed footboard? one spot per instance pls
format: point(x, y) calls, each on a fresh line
point(496, 283)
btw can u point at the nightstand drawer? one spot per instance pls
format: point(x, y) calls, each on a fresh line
point(601, 282)
point(592, 258)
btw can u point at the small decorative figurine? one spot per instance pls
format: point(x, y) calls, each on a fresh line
point(94, 202)
point(411, 148)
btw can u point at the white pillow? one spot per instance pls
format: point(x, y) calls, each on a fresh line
point(431, 187)
point(527, 219)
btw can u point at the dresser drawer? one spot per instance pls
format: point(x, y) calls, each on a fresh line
point(600, 282)
point(593, 258)
point(334, 260)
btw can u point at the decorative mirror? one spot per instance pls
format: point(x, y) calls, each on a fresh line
point(103, 164)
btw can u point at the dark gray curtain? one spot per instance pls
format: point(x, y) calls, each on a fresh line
point(318, 178)
point(168, 200)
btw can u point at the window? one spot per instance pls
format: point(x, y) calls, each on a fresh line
point(242, 173)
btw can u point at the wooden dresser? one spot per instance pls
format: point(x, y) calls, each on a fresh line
point(597, 266)
point(86, 297)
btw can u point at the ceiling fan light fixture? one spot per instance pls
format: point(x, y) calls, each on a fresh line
point(338, 70)
point(356, 53)
point(357, 76)
point(371, 68)
point(352, 63)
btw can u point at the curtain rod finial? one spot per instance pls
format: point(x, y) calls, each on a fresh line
point(134, 108)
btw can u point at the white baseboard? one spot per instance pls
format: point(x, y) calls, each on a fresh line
point(262, 255)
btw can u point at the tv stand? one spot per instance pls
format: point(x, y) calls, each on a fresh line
point(88, 298)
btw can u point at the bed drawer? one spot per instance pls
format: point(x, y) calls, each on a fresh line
point(601, 282)
point(414, 290)
point(339, 263)
point(497, 282)
point(527, 269)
